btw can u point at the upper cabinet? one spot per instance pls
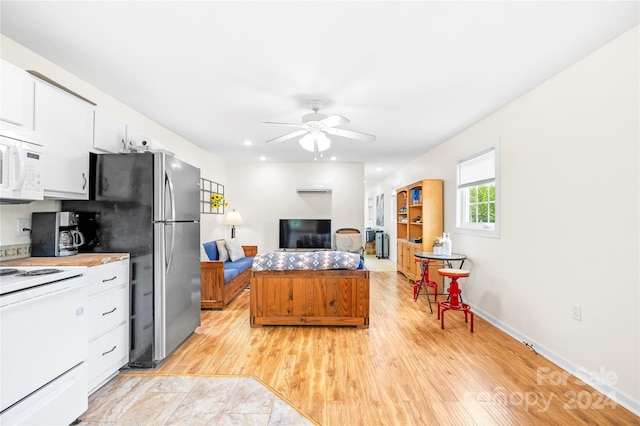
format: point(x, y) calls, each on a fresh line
point(112, 134)
point(16, 96)
point(64, 124)
point(137, 138)
point(109, 132)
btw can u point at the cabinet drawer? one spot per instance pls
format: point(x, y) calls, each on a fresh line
point(108, 310)
point(108, 276)
point(107, 354)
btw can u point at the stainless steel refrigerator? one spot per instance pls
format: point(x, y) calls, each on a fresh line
point(147, 204)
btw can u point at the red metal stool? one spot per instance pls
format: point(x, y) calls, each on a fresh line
point(424, 281)
point(454, 304)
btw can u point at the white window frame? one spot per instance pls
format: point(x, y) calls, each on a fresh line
point(462, 226)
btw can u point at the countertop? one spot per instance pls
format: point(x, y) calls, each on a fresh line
point(80, 259)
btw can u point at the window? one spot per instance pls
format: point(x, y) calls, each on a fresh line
point(477, 197)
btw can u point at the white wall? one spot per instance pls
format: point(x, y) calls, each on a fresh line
point(211, 166)
point(570, 217)
point(264, 193)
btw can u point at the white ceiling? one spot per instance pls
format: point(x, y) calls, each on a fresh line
point(411, 73)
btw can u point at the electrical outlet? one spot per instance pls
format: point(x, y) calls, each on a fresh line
point(576, 312)
point(24, 227)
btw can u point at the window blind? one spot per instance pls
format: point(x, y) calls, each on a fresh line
point(477, 170)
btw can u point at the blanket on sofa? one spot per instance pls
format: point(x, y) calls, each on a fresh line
point(309, 261)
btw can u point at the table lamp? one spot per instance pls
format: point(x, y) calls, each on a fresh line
point(233, 218)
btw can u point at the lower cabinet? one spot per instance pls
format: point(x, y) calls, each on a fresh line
point(108, 321)
point(406, 259)
point(411, 269)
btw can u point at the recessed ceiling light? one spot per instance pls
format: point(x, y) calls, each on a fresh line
point(379, 169)
point(334, 158)
point(263, 158)
point(248, 143)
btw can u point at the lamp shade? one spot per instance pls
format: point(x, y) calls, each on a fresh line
point(307, 142)
point(315, 140)
point(233, 218)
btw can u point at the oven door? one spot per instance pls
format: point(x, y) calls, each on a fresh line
point(60, 402)
point(44, 333)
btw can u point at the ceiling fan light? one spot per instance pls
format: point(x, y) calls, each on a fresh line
point(306, 142)
point(322, 141)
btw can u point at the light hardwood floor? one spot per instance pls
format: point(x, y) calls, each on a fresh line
point(402, 370)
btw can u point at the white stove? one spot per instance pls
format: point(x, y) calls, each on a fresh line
point(44, 335)
point(18, 278)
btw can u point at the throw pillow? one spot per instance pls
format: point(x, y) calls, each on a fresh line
point(223, 255)
point(211, 249)
point(234, 249)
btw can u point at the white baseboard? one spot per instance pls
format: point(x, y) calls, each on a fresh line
point(577, 371)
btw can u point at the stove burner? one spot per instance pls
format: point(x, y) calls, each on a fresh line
point(8, 271)
point(39, 272)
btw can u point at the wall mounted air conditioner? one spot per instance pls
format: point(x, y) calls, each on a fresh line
point(314, 187)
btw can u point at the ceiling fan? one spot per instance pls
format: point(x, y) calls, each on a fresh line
point(314, 128)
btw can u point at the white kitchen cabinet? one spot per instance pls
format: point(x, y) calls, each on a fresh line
point(137, 138)
point(109, 132)
point(114, 135)
point(16, 96)
point(65, 127)
point(108, 321)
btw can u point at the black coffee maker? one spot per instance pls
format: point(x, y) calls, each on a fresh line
point(89, 226)
point(55, 234)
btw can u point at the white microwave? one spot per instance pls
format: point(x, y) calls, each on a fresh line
point(21, 167)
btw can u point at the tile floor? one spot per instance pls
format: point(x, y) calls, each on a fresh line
point(372, 263)
point(188, 400)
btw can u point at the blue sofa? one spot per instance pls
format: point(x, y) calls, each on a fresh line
point(222, 281)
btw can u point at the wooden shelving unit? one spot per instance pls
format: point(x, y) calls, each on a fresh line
point(419, 220)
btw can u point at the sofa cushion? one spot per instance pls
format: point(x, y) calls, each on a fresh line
point(211, 249)
point(233, 269)
point(241, 264)
point(223, 254)
point(229, 274)
point(234, 249)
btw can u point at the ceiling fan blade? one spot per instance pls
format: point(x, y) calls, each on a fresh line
point(364, 137)
point(334, 120)
point(284, 124)
point(287, 136)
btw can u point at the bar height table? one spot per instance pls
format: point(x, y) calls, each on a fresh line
point(428, 257)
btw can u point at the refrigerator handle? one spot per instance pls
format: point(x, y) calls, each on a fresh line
point(169, 184)
point(171, 248)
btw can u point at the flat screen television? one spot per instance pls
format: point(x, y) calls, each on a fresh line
point(305, 233)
